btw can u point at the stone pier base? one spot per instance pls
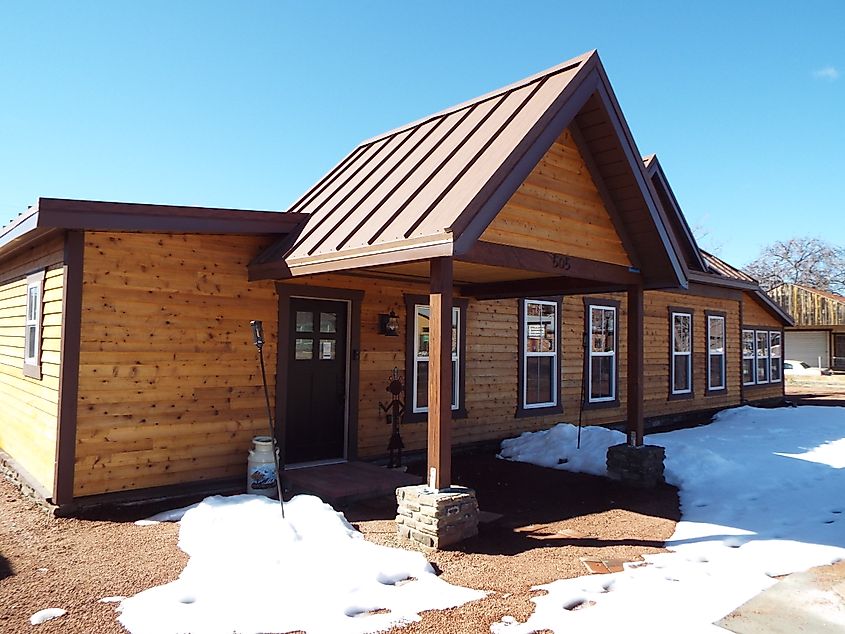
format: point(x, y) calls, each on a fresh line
point(636, 466)
point(436, 519)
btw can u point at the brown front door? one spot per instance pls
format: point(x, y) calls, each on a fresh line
point(315, 421)
point(839, 352)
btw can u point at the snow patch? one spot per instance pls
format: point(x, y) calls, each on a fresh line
point(45, 615)
point(250, 570)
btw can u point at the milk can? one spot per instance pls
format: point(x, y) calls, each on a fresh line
point(261, 468)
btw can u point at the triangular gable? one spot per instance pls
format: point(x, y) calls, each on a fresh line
point(430, 189)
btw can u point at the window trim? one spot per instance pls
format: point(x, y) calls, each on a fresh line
point(708, 390)
point(32, 365)
point(410, 347)
point(690, 393)
point(752, 358)
point(769, 330)
point(523, 410)
point(616, 305)
point(767, 358)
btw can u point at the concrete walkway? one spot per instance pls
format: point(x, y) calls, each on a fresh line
point(810, 602)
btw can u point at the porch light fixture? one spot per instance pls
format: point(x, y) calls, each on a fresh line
point(388, 324)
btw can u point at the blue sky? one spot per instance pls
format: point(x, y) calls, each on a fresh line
point(247, 104)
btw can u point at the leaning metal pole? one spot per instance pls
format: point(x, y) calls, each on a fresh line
point(258, 340)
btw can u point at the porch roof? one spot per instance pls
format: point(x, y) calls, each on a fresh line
point(429, 189)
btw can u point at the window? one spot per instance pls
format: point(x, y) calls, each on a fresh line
point(762, 338)
point(601, 366)
point(681, 351)
point(539, 361)
point(32, 332)
point(748, 355)
point(715, 352)
point(762, 354)
point(776, 353)
point(416, 366)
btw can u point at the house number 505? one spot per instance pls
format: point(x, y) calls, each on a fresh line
point(561, 262)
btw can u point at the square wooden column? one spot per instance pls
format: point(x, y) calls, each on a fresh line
point(440, 375)
point(635, 366)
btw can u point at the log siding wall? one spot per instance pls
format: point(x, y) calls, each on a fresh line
point(169, 385)
point(29, 412)
point(754, 315)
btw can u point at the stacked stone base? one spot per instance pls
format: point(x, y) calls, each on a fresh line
point(436, 519)
point(636, 466)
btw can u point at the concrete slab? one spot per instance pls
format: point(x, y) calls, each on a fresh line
point(809, 602)
point(347, 482)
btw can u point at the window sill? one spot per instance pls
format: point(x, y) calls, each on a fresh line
point(421, 417)
point(32, 371)
point(686, 396)
point(601, 404)
point(529, 412)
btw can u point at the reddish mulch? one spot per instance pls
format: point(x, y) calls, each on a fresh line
point(551, 519)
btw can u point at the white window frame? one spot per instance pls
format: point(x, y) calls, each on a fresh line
point(602, 399)
point(676, 354)
point(752, 356)
point(33, 319)
point(710, 354)
point(456, 359)
point(766, 358)
point(526, 354)
point(779, 356)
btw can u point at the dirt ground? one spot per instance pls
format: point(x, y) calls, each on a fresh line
point(821, 390)
point(550, 520)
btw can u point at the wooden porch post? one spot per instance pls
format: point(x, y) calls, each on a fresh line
point(440, 375)
point(635, 365)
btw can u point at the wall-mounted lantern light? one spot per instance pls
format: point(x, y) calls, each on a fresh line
point(388, 324)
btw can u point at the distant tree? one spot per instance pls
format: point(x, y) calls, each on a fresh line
point(808, 261)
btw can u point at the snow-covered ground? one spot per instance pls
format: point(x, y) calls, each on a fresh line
point(252, 571)
point(762, 494)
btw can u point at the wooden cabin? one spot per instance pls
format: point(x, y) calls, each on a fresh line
point(513, 259)
point(818, 336)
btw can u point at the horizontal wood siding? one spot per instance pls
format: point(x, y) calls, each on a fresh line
point(559, 209)
point(29, 411)
point(657, 347)
point(169, 385)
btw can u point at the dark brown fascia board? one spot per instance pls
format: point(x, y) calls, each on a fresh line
point(88, 215)
point(635, 162)
point(721, 280)
point(655, 171)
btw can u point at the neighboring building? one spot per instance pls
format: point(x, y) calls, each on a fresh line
point(537, 269)
point(818, 337)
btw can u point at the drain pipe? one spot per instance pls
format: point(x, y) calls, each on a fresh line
point(258, 340)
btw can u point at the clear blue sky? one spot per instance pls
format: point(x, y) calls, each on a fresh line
point(246, 104)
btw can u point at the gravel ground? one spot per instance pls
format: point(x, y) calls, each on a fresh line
point(821, 390)
point(550, 520)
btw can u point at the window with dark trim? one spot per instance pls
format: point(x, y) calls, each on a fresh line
point(716, 364)
point(539, 357)
point(33, 319)
point(681, 341)
point(762, 354)
point(416, 357)
point(601, 365)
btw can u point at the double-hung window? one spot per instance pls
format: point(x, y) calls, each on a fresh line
point(32, 327)
point(716, 352)
point(602, 343)
point(761, 356)
point(417, 361)
point(540, 349)
point(681, 333)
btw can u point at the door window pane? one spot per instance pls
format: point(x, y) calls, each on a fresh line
point(328, 322)
point(327, 349)
point(304, 321)
point(304, 349)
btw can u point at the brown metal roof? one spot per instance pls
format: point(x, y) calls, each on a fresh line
point(413, 192)
point(720, 267)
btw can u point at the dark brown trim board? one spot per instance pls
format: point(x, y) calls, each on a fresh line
point(420, 417)
point(708, 391)
point(635, 399)
point(521, 410)
point(355, 298)
point(598, 301)
point(69, 369)
point(671, 384)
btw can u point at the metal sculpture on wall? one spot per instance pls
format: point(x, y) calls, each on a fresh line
point(394, 411)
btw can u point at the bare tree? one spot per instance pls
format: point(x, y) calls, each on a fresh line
point(808, 261)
